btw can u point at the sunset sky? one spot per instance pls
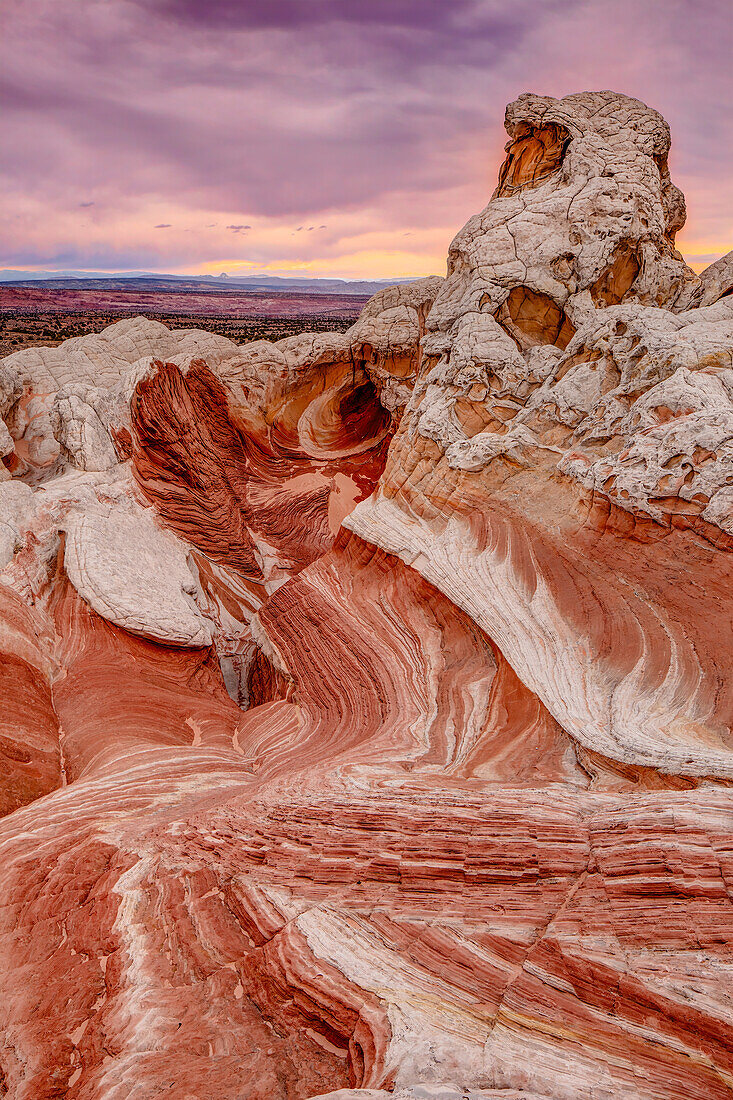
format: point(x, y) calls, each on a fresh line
point(347, 138)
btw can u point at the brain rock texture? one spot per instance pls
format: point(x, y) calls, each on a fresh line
point(367, 697)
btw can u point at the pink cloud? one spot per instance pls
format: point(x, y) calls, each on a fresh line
point(217, 113)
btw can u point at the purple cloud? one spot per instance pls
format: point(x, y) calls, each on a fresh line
point(225, 106)
point(295, 15)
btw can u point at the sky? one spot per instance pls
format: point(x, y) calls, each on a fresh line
point(340, 138)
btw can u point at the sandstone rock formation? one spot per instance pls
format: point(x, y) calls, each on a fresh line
point(369, 696)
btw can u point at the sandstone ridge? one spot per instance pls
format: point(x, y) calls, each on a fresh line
point(369, 695)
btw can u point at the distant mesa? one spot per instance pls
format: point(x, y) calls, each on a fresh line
point(88, 280)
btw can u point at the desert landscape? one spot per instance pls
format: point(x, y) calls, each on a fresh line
point(42, 316)
point(368, 694)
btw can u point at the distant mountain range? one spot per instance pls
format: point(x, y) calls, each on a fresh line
point(147, 280)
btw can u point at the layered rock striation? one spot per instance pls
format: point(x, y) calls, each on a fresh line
point(368, 696)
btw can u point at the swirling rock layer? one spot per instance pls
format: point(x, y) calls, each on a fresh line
point(367, 725)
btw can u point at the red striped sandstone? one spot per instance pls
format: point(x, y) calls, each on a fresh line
point(368, 696)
